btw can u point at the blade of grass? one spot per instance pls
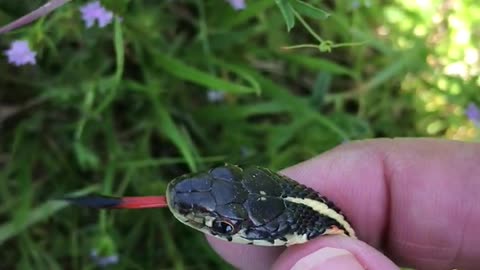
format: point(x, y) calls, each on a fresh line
point(185, 72)
point(38, 214)
point(112, 83)
point(170, 245)
point(234, 112)
point(34, 15)
point(137, 164)
point(310, 10)
point(317, 64)
point(167, 126)
point(296, 105)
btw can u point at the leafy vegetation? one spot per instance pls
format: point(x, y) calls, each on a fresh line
point(176, 86)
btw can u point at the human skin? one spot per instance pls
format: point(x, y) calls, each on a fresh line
point(415, 200)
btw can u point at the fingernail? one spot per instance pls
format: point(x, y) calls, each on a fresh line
point(328, 258)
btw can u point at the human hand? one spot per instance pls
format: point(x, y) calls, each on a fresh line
point(415, 200)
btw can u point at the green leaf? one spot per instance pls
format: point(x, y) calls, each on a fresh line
point(239, 72)
point(183, 71)
point(309, 10)
point(287, 12)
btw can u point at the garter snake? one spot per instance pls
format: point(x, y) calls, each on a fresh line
point(250, 205)
point(253, 205)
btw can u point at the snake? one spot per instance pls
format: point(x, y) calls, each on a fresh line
point(246, 205)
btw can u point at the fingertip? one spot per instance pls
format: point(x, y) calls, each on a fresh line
point(328, 258)
point(245, 256)
point(333, 252)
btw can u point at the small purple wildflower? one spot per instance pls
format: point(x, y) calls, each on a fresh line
point(215, 96)
point(237, 4)
point(103, 261)
point(94, 11)
point(19, 53)
point(473, 113)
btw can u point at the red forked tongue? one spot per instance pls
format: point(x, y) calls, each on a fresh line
point(142, 202)
point(106, 202)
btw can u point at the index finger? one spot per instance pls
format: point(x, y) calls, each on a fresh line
point(414, 199)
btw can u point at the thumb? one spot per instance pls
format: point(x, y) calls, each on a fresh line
point(333, 252)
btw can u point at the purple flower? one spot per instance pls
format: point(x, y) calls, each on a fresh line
point(237, 4)
point(19, 53)
point(103, 261)
point(215, 96)
point(94, 11)
point(473, 113)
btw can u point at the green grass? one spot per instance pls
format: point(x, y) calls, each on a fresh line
point(124, 109)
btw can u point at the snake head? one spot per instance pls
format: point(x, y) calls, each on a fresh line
point(211, 201)
point(252, 206)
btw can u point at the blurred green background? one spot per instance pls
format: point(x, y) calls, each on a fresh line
point(179, 86)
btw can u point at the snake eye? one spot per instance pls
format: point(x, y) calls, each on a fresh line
point(223, 227)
